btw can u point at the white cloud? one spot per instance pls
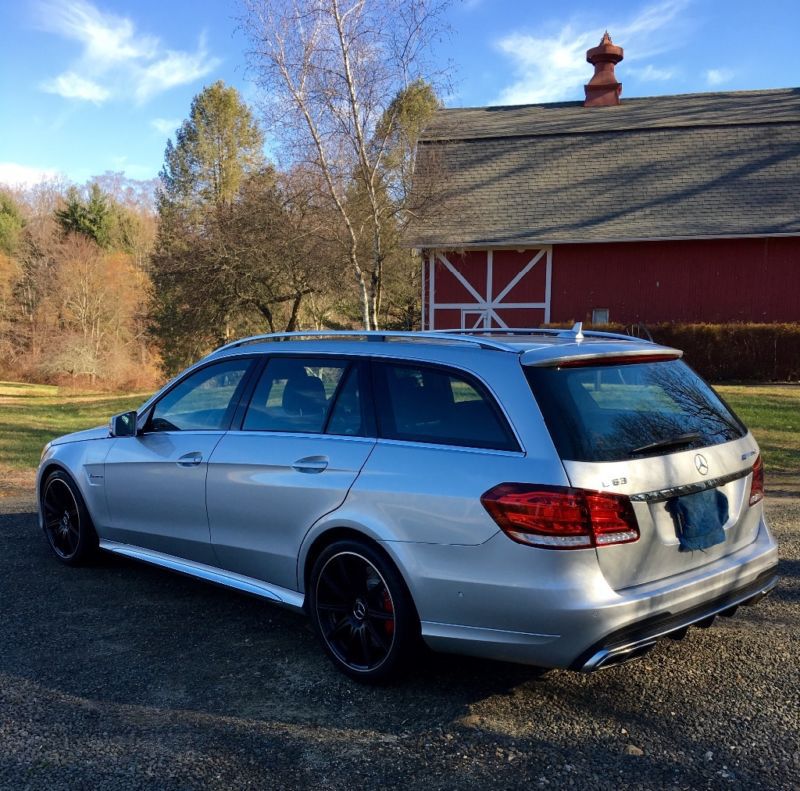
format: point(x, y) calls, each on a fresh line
point(73, 86)
point(165, 126)
point(551, 68)
point(107, 38)
point(15, 175)
point(718, 76)
point(175, 68)
point(651, 73)
point(116, 60)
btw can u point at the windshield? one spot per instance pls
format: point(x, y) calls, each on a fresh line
point(618, 412)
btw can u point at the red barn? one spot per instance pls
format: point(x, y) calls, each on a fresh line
point(671, 208)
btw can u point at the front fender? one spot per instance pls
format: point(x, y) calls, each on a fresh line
point(84, 462)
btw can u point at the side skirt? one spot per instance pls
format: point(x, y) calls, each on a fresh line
point(264, 590)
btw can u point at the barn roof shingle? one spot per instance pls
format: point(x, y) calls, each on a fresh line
point(667, 167)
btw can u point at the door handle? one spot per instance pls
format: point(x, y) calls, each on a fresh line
point(190, 459)
point(311, 464)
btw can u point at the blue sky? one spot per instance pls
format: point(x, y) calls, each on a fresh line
point(95, 85)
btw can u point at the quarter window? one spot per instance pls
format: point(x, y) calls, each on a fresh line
point(422, 404)
point(203, 401)
point(294, 395)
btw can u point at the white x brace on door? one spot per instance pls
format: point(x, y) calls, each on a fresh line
point(484, 311)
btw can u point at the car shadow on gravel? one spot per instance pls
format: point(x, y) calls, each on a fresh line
point(123, 669)
point(128, 633)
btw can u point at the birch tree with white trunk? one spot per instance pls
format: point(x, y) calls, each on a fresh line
point(329, 71)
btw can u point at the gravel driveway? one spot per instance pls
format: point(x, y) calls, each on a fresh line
point(125, 676)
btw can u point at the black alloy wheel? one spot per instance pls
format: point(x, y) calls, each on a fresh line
point(67, 524)
point(362, 611)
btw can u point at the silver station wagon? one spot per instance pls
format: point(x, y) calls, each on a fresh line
point(557, 498)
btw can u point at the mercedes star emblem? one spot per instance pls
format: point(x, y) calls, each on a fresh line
point(701, 464)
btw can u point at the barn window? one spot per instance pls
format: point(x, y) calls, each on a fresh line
point(599, 315)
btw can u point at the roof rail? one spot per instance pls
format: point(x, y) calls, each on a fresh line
point(370, 335)
point(576, 332)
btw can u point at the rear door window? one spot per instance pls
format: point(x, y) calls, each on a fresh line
point(309, 396)
point(294, 394)
point(437, 405)
point(619, 412)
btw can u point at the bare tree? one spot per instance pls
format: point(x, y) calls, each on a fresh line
point(331, 70)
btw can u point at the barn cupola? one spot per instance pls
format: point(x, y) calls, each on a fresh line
point(603, 90)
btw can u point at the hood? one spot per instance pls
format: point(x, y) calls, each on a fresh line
point(101, 432)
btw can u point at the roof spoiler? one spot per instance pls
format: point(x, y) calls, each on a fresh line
point(642, 354)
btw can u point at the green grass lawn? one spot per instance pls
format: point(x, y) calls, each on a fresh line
point(772, 413)
point(30, 415)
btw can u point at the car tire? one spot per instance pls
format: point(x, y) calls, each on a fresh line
point(362, 612)
point(66, 521)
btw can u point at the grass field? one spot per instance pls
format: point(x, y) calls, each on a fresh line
point(772, 413)
point(30, 415)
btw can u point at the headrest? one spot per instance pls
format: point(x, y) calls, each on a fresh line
point(304, 395)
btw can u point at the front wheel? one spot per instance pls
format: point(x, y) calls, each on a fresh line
point(67, 524)
point(362, 611)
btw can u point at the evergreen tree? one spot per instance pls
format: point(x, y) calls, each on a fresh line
point(214, 148)
point(217, 150)
point(91, 216)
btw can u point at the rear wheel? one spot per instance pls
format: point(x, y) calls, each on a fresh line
point(362, 611)
point(67, 524)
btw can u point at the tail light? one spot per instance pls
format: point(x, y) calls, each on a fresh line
point(558, 517)
point(757, 486)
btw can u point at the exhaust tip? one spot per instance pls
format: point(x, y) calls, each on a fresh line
point(616, 657)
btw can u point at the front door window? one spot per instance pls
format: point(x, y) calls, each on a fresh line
point(203, 401)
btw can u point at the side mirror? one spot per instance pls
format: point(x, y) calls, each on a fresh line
point(123, 425)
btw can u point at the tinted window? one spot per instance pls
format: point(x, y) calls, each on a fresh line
point(294, 395)
point(612, 413)
point(423, 404)
point(202, 401)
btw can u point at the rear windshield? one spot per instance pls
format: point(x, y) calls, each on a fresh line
point(618, 412)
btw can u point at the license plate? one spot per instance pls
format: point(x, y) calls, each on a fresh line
point(699, 519)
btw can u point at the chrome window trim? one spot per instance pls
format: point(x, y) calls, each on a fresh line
point(298, 435)
point(518, 454)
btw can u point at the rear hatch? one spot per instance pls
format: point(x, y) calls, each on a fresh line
point(652, 429)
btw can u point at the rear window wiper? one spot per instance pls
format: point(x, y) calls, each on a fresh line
point(671, 442)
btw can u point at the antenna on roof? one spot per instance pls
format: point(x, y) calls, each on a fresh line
point(576, 333)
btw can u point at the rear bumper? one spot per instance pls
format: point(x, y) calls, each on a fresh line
point(635, 640)
point(557, 610)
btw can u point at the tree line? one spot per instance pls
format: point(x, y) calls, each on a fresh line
point(119, 285)
point(75, 289)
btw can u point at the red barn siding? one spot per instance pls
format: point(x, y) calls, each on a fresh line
point(716, 281)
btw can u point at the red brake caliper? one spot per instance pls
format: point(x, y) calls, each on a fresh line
point(387, 606)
